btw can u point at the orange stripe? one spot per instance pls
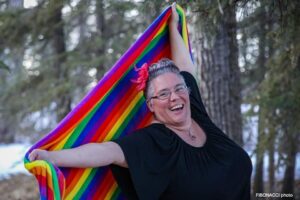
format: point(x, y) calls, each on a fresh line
point(105, 186)
point(75, 174)
point(73, 178)
point(114, 116)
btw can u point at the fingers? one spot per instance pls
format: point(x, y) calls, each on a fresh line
point(174, 18)
point(36, 154)
point(174, 11)
point(174, 7)
point(33, 155)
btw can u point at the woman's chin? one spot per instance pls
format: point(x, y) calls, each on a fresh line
point(179, 117)
point(179, 120)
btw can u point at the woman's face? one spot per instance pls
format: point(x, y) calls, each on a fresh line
point(174, 110)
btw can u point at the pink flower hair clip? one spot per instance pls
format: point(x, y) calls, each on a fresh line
point(143, 75)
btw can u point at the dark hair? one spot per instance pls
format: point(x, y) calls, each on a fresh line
point(163, 66)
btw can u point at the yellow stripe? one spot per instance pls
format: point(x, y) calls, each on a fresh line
point(61, 144)
point(71, 130)
point(162, 28)
point(87, 172)
point(111, 192)
point(79, 184)
point(41, 167)
point(184, 28)
point(123, 117)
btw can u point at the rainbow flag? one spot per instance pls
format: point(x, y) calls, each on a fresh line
point(112, 109)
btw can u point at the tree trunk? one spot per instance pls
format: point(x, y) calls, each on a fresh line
point(271, 152)
point(8, 121)
point(272, 124)
point(289, 174)
point(220, 72)
point(258, 185)
point(82, 21)
point(260, 149)
point(59, 46)
point(101, 32)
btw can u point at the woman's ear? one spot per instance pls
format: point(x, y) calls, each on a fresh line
point(150, 105)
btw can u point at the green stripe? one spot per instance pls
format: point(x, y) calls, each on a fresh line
point(116, 193)
point(56, 190)
point(81, 126)
point(152, 44)
point(128, 118)
point(86, 183)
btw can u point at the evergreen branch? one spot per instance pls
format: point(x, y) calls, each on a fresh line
point(4, 66)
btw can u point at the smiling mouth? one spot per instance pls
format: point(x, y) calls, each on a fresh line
point(177, 107)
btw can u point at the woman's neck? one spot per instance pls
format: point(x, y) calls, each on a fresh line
point(185, 126)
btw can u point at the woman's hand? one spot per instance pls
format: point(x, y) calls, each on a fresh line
point(180, 53)
point(39, 154)
point(173, 21)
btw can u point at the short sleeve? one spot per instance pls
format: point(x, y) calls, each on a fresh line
point(129, 145)
point(148, 164)
point(195, 96)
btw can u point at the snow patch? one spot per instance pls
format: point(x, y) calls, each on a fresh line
point(11, 159)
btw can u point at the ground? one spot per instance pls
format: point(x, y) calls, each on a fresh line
point(25, 187)
point(19, 187)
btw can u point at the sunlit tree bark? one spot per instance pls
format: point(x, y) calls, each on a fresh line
point(221, 76)
point(59, 47)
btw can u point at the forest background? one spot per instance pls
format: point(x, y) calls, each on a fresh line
point(247, 52)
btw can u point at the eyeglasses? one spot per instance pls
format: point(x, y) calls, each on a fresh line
point(166, 93)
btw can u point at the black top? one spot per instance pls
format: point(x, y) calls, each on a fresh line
point(162, 166)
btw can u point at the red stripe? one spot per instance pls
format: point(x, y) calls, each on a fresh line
point(43, 185)
point(114, 115)
point(73, 177)
point(105, 186)
point(107, 85)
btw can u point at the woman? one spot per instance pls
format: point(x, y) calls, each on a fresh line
point(181, 154)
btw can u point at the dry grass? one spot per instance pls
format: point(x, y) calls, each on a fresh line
point(19, 187)
point(24, 187)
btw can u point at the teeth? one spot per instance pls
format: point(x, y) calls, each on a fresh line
point(177, 107)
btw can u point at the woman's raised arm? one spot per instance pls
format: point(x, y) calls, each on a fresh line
point(180, 53)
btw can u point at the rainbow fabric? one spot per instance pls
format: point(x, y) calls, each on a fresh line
point(112, 109)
